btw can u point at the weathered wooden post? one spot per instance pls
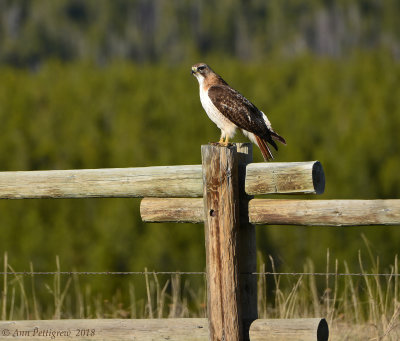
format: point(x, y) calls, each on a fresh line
point(230, 242)
point(221, 226)
point(247, 245)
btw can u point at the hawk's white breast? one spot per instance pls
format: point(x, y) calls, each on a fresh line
point(222, 122)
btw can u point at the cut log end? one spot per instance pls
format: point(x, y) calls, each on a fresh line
point(318, 177)
point(322, 331)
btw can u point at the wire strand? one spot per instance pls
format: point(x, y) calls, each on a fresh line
point(131, 273)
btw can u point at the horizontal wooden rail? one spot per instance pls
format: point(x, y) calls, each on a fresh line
point(172, 210)
point(179, 329)
point(282, 211)
point(285, 178)
point(164, 181)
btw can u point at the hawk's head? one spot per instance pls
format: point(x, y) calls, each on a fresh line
point(206, 76)
point(201, 70)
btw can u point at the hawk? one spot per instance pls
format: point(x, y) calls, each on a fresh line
point(229, 110)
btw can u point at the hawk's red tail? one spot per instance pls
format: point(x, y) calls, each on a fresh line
point(277, 137)
point(266, 152)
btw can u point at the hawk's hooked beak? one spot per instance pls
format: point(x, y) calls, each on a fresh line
point(194, 70)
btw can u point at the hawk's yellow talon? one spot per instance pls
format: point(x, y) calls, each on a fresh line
point(226, 142)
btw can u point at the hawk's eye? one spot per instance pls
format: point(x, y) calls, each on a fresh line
point(201, 68)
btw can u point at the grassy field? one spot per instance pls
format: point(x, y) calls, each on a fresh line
point(365, 306)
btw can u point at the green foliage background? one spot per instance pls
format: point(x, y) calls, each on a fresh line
point(98, 110)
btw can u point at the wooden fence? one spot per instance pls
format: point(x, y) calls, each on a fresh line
point(227, 180)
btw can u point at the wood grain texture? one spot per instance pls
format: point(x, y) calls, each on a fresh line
point(177, 210)
point(180, 329)
point(285, 177)
point(290, 329)
point(222, 219)
point(285, 212)
point(107, 329)
point(164, 181)
point(325, 212)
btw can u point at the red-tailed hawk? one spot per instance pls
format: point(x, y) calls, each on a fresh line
point(229, 110)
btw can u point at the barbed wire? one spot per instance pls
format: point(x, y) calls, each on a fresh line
point(131, 273)
point(323, 274)
point(95, 273)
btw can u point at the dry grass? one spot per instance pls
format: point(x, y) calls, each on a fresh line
point(364, 307)
point(356, 308)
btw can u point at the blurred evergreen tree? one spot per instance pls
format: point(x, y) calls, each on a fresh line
point(173, 31)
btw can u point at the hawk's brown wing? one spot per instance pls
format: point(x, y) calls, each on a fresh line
point(238, 109)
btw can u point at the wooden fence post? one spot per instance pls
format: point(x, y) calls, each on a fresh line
point(247, 245)
point(221, 225)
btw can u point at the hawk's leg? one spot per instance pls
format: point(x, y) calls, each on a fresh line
point(221, 139)
point(226, 142)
